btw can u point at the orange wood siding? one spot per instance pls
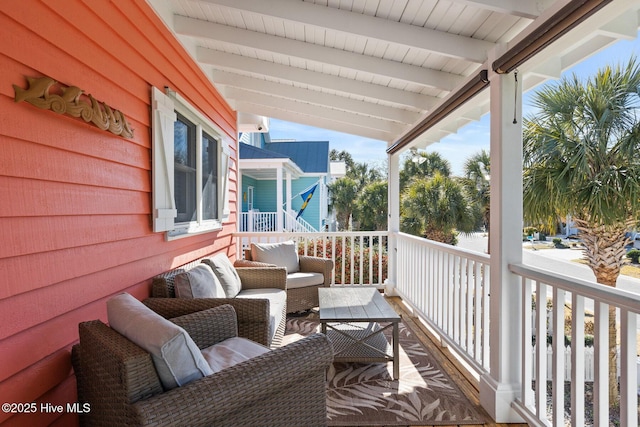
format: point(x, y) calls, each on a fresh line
point(75, 201)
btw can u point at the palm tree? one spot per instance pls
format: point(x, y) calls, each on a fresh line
point(477, 169)
point(436, 208)
point(432, 163)
point(342, 196)
point(581, 158)
point(372, 206)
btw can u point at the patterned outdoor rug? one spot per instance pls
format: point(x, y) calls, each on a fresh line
point(366, 395)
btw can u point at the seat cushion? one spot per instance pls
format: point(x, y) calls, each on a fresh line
point(277, 303)
point(226, 274)
point(283, 254)
point(302, 280)
point(231, 352)
point(198, 282)
point(175, 355)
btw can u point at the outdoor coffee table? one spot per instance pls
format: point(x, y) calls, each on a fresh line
point(351, 317)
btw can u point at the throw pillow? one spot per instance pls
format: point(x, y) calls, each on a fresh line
point(175, 355)
point(282, 254)
point(199, 282)
point(226, 274)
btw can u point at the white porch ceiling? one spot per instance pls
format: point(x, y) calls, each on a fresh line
point(373, 68)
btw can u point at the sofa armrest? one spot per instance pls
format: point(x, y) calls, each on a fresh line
point(227, 398)
point(252, 314)
point(254, 278)
point(243, 263)
point(211, 326)
point(309, 264)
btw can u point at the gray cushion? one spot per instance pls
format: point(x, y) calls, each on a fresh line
point(283, 254)
point(231, 352)
point(176, 357)
point(277, 303)
point(302, 280)
point(198, 282)
point(226, 274)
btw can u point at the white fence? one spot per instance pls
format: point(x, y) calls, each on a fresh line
point(589, 364)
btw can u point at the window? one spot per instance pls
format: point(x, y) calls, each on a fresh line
point(190, 169)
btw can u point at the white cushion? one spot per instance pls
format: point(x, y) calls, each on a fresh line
point(284, 254)
point(199, 282)
point(226, 274)
point(302, 280)
point(176, 357)
point(231, 352)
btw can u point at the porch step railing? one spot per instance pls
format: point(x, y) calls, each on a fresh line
point(297, 225)
point(360, 258)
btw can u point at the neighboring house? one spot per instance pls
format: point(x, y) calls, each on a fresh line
point(275, 175)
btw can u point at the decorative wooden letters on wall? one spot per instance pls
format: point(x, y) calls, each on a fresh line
point(46, 93)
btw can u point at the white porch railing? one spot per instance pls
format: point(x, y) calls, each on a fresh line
point(582, 298)
point(448, 287)
point(359, 257)
point(256, 221)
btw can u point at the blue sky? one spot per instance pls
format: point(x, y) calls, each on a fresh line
point(456, 148)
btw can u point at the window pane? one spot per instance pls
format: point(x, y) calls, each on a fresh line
point(185, 169)
point(209, 177)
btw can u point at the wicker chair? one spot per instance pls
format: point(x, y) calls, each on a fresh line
point(253, 314)
point(284, 387)
point(303, 298)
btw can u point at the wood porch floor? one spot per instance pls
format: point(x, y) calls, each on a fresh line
point(467, 383)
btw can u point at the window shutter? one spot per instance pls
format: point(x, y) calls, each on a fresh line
point(163, 118)
point(225, 168)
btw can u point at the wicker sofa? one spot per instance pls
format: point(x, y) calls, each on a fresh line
point(257, 320)
point(303, 281)
point(117, 378)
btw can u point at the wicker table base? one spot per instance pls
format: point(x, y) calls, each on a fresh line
point(351, 319)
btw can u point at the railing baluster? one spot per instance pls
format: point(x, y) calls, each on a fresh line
point(601, 364)
point(484, 310)
point(577, 359)
point(477, 309)
point(541, 350)
point(628, 365)
point(527, 345)
point(558, 357)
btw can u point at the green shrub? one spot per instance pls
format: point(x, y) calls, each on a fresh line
point(634, 255)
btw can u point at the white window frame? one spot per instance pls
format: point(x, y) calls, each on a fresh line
point(165, 107)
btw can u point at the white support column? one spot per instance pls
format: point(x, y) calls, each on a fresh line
point(288, 199)
point(502, 386)
point(279, 192)
point(393, 223)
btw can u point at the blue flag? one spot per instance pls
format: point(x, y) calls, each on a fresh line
point(306, 196)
